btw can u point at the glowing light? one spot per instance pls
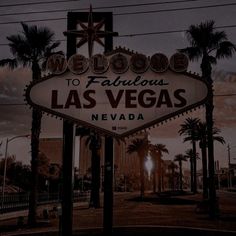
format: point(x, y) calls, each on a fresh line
point(149, 166)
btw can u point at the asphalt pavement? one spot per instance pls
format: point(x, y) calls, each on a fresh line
point(155, 215)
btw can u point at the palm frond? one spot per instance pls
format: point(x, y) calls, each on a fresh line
point(194, 53)
point(199, 35)
point(187, 139)
point(189, 126)
point(216, 137)
point(189, 154)
point(180, 157)
point(225, 50)
point(31, 45)
point(193, 36)
point(138, 144)
point(219, 139)
point(11, 63)
point(51, 47)
point(25, 27)
point(204, 40)
point(18, 45)
point(216, 37)
point(158, 148)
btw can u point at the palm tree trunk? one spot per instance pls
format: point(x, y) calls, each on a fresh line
point(213, 207)
point(95, 189)
point(33, 197)
point(159, 173)
point(97, 182)
point(35, 133)
point(162, 179)
point(206, 74)
point(154, 175)
point(180, 176)
point(142, 187)
point(191, 175)
point(194, 168)
point(204, 171)
point(173, 179)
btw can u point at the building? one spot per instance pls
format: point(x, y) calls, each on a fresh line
point(52, 149)
point(126, 166)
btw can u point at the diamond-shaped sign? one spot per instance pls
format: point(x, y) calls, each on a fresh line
point(118, 103)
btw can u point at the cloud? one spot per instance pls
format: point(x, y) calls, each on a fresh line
point(12, 84)
point(15, 119)
point(224, 112)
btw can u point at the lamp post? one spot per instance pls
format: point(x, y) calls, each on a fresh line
point(229, 167)
point(5, 165)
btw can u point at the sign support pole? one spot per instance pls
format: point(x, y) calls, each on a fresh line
point(109, 154)
point(108, 187)
point(67, 179)
point(68, 157)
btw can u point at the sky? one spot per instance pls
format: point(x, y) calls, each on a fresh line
point(157, 27)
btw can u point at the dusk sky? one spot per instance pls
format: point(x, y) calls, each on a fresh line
point(162, 24)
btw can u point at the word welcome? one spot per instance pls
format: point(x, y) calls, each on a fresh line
point(118, 63)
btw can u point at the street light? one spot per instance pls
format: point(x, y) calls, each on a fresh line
point(229, 167)
point(5, 164)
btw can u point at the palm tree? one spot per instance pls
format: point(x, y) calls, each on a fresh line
point(172, 166)
point(191, 155)
point(202, 137)
point(189, 129)
point(156, 152)
point(141, 146)
point(209, 45)
point(33, 46)
point(180, 158)
point(94, 142)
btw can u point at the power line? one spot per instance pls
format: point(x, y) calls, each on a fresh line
point(99, 8)
point(35, 3)
point(12, 104)
point(32, 21)
point(175, 9)
point(147, 33)
point(168, 32)
point(225, 95)
point(130, 13)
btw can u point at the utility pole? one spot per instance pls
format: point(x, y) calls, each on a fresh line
point(229, 168)
point(217, 169)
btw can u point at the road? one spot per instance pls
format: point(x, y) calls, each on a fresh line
point(171, 212)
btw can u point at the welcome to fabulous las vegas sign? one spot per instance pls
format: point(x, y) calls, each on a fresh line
point(119, 93)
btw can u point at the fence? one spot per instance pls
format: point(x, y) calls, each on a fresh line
point(20, 201)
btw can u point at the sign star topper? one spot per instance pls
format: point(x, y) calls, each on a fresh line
point(90, 33)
